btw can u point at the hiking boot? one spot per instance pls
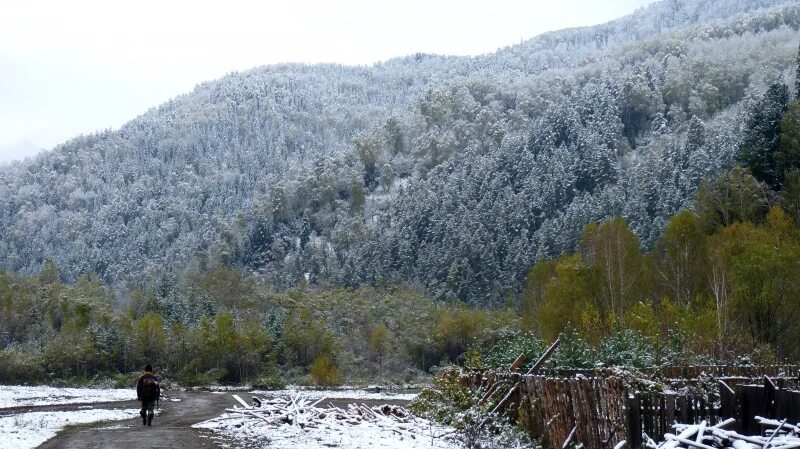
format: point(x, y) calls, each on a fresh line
point(150, 419)
point(144, 418)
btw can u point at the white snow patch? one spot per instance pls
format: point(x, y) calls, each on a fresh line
point(115, 427)
point(18, 396)
point(366, 435)
point(28, 430)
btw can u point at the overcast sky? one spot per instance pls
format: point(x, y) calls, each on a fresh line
point(74, 67)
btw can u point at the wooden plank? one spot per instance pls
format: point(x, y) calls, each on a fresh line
point(518, 363)
point(669, 409)
point(683, 409)
point(770, 392)
point(727, 399)
point(646, 413)
point(544, 357)
point(634, 422)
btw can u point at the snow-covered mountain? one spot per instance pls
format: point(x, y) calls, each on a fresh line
point(452, 173)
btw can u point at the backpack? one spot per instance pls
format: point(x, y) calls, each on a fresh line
point(150, 389)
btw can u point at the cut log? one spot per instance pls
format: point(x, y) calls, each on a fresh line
point(774, 433)
point(700, 431)
point(689, 442)
point(241, 401)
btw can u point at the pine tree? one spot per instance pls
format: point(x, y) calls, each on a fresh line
point(762, 135)
point(797, 77)
point(787, 156)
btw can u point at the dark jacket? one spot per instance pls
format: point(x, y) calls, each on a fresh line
point(140, 385)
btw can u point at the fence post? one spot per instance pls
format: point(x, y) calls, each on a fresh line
point(683, 409)
point(770, 396)
point(781, 405)
point(669, 410)
point(663, 424)
point(727, 399)
point(634, 421)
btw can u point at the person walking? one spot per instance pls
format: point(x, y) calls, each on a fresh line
point(148, 391)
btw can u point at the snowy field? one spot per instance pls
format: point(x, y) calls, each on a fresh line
point(28, 430)
point(16, 396)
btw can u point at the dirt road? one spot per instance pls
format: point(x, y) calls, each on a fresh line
point(170, 429)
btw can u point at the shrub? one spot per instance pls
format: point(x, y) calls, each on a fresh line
point(269, 379)
point(503, 351)
point(573, 352)
point(19, 366)
point(626, 348)
point(325, 373)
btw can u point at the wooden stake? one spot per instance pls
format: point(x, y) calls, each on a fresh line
point(518, 362)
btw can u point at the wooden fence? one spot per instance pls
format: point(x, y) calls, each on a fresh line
point(590, 410)
point(770, 400)
point(652, 414)
point(600, 409)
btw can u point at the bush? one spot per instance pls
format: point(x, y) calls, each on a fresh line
point(192, 378)
point(626, 348)
point(126, 380)
point(446, 401)
point(573, 352)
point(325, 373)
point(271, 379)
point(503, 351)
point(20, 366)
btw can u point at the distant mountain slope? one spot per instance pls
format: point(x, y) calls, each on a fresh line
point(167, 182)
point(452, 173)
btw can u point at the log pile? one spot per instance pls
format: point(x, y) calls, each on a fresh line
point(299, 411)
point(777, 435)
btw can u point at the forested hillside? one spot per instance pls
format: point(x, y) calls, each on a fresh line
point(451, 174)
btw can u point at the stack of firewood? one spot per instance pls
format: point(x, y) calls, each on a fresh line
point(302, 412)
point(778, 435)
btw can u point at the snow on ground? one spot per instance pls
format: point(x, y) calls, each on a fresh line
point(365, 435)
point(355, 394)
point(17, 396)
point(28, 430)
point(324, 427)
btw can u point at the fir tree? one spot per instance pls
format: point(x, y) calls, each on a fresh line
point(762, 135)
point(797, 77)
